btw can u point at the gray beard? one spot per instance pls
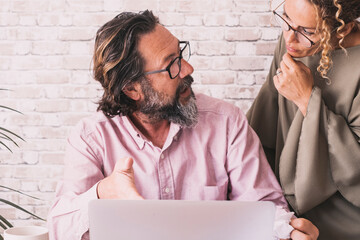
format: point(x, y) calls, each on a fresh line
point(156, 107)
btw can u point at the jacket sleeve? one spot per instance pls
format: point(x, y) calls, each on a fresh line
point(263, 114)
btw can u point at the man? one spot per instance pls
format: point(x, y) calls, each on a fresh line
point(152, 138)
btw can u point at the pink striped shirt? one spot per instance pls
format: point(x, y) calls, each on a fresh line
point(221, 158)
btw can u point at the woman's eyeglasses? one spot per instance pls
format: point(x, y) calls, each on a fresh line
point(299, 34)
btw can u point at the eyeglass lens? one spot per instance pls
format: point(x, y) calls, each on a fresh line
point(286, 27)
point(175, 67)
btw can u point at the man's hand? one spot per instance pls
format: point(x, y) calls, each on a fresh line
point(120, 184)
point(303, 229)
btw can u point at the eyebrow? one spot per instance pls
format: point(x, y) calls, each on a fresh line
point(172, 55)
point(298, 26)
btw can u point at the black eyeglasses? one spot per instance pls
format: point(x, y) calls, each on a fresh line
point(300, 36)
point(174, 66)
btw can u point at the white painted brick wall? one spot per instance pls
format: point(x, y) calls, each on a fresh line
point(45, 54)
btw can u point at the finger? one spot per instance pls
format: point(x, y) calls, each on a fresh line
point(124, 164)
point(305, 226)
point(297, 235)
point(284, 67)
point(289, 61)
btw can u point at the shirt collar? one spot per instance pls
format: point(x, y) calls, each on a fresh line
point(140, 139)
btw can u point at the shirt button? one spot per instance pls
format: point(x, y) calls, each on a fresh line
point(162, 156)
point(175, 138)
point(167, 190)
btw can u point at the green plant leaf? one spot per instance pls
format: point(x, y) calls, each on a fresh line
point(11, 109)
point(20, 208)
point(6, 222)
point(8, 131)
point(14, 190)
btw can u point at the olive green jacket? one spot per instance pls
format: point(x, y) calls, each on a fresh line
point(316, 158)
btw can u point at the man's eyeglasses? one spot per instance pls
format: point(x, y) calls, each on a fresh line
point(299, 34)
point(174, 66)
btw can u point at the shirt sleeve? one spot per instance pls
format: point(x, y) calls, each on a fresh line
point(251, 178)
point(68, 216)
point(250, 175)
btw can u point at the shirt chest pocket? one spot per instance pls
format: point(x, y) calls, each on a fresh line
point(194, 192)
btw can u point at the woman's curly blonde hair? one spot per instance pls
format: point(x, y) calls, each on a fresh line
point(332, 16)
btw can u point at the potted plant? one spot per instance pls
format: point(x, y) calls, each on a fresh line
point(7, 136)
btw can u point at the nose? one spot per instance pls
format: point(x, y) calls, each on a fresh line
point(290, 36)
point(186, 69)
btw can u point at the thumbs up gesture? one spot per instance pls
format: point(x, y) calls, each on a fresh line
point(120, 184)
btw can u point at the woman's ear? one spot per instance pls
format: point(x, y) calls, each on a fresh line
point(346, 30)
point(133, 91)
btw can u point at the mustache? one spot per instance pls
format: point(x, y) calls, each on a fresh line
point(187, 81)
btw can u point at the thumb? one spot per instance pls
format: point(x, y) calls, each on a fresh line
point(124, 165)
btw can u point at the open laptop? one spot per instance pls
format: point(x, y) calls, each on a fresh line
point(180, 220)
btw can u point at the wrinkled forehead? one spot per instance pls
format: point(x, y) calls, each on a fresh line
point(158, 45)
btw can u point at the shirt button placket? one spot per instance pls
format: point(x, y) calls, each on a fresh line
point(165, 178)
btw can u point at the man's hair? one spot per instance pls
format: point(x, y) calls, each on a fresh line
point(117, 61)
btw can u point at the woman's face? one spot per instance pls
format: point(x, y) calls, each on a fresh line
point(301, 15)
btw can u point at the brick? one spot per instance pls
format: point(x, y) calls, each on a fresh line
point(111, 5)
point(172, 19)
point(194, 19)
point(96, 19)
point(194, 6)
point(221, 19)
point(224, 5)
point(84, 5)
point(245, 48)
point(49, 48)
point(48, 19)
point(251, 6)
point(77, 62)
point(140, 5)
point(217, 77)
point(220, 63)
point(76, 33)
point(201, 62)
point(255, 20)
point(80, 48)
point(241, 92)
point(245, 78)
point(81, 77)
point(33, 33)
point(211, 48)
point(52, 77)
point(247, 63)
point(48, 105)
point(265, 48)
point(51, 158)
point(31, 158)
point(27, 19)
point(8, 19)
point(29, 6)
point(242, 34)
point(201, 33)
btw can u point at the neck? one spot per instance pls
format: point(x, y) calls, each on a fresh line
point(156, 132)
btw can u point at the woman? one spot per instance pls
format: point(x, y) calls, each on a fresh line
point(307, 113)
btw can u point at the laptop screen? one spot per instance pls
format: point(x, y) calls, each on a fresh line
point(180, 220)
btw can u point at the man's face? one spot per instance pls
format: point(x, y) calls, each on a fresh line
point(163, 97)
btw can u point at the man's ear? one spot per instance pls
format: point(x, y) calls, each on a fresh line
point(133, 91)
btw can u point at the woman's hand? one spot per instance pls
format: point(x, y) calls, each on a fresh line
point(294, 81)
